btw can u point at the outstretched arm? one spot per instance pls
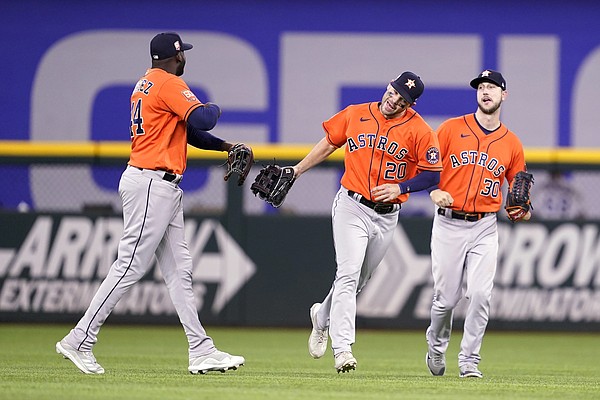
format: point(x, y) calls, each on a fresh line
point(320, 152)
point(205, 140)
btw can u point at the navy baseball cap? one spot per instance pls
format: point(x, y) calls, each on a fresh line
point(166, 45)
point(409, 85)
point(488, 75)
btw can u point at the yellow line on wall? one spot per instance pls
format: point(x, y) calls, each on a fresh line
point(263, 152)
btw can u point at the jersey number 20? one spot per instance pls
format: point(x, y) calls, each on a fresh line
point(395, 172)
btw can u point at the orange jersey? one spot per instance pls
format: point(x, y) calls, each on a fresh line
point(379, 150)
point(160, 105)
point(476, 164)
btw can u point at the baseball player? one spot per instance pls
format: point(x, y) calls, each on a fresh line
point(165, 117)
point(390, 152)
point(478, 154)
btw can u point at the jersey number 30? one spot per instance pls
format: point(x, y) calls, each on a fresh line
point(136, 118)
point(491, 187)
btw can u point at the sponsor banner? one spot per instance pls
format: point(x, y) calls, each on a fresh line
point(52, 265)
point(548, 274)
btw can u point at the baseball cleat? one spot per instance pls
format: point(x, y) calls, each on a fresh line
point(317, 341)
point(436, 363)
point(84, 360)
point(470, 371)
point(344, 362)
point(215, 361)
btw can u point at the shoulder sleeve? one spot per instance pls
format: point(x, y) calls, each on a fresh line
point(178, 97)
point(336, 127)
point(442, 133)
point(428, 149)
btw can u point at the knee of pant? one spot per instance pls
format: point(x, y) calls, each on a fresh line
point(478, 297)
point(445, 304)
point(179, 275)
point(185, 275)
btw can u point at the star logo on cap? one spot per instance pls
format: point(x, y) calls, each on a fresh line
point(485, 73)
point(410, 83)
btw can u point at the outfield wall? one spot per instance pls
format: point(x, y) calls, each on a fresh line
point(268, 271)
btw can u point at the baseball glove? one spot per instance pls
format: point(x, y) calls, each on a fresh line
point(518, 203)
point(239, 161)
point(273, 183)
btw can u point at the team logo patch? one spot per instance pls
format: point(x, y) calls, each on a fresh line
point(410, 83)
point(433, 155)
point(189, 95)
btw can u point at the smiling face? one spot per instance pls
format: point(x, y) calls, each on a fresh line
point(490, 97)
point(392, 104)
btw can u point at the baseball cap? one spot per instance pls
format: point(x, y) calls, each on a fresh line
point(409, 85)
point(166, 45)
point(488, 75)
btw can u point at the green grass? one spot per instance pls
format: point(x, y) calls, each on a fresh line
point(145, 362)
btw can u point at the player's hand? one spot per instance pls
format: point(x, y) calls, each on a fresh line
point(441, 198)
point(386, 192)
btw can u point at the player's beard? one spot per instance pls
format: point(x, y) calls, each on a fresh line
point(180, 68)
point(489, 110)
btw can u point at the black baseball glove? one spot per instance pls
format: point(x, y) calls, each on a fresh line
point(518, 202)
point(273, 183)
point(239, 161)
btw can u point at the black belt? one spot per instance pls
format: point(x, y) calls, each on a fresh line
point(470, 217)
point(169, 177)
point(379, 208)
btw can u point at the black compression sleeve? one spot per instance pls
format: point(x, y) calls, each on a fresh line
point(202, 139)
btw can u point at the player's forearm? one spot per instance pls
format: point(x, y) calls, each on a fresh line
point(421, 181)
point(204, 140)
point(320, 152)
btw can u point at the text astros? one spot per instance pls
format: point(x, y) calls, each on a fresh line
point(368, 140)
point(471, 157)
